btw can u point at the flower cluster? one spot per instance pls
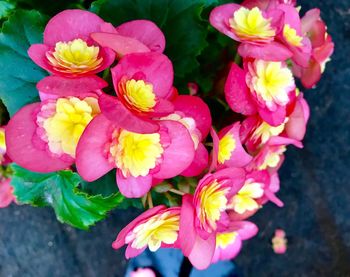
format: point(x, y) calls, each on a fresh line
point(150, 134)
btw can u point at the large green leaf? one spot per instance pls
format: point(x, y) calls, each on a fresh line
point(60, 191)
point(179, 20)
point(19, 74)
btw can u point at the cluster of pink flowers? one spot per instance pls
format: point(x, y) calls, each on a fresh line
point(148, 132)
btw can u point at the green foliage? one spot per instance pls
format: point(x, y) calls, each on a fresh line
point(5, 9)
point(179, 20)
point(60, 191)
point(19, 74)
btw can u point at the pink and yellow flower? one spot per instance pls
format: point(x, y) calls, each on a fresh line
point(138, 158)
point(263, 87)
point(69, 52)
point(43, 137)
point(279, 242)
point(322, 49)
point(227, 148)
point(255, 28)
point(158, 227)
point(229, 243)
point(203, 215)
point(142, 82)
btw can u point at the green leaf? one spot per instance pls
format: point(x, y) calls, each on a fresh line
point(5, 9)
point(19, 74)
point(59, 190)
point(50, 7)
point(179, 20)
point(104, 186)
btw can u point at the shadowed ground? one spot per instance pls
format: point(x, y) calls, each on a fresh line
point(315, 188)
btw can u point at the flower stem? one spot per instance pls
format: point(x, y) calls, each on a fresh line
point(149, 200)
point(177, 192)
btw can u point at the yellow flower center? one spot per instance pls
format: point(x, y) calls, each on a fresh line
point(213, 202)
point(273, 158)
point(265, 131)
point(227, 145)
point(291, 36)
point(138, 95)
point(225, 239)
point(74, 57)
point(245, 198)
point(136, 154)
point(161, 228)
point(2, 139)
point(271, 81)
point(66, 125)
point(251, 25)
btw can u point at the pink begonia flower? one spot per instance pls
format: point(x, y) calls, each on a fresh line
point(270, 156)
point(194, 114)
point(142, 82)
point(43, 137)
point(262, 87)
point(136, 36)
point(255, 131)
point(157, 227)
point(258, 37)
point(203, 215)
point(139, 158)
point(6, 193)
point(229, 243)
point(322, 49)
point(227, 148)
point(70, 54)
point(279, 242)
point(143, 272)
point(259, 187)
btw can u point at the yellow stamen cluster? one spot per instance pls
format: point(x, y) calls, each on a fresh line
point(138, 95)
point(273, 158)
point(227, 145)
point(272, 81)
point(291, 36)
point(136, 154)
point(161, 228)
point(245, 200)
point(66, 125)
point(223, 240)
point(251, 25)
point(266, 131)
point(213, 202)
point(74, 57)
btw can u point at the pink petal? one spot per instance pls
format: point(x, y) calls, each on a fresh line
point(187, 233)
point(20, 133)
point(195, 107)
point(71, 24)
point(154, 68)
point(200, 162)
point(245, 229)
point(237, 176)
point(37, 52)
point(296, 125)
point(203, 252)
point(273, 51)
point(230, 252)
point(311, 75)
point(70, 87)
point(162, 108)
point(117, 113)
point(309, 19)
point(278, 141)
point(133, 187)
point(215, 152)
point(179, 154)
point(122, 45)
point(120, 240)
point(91, 157)
point(274, 118)
point(144, 31)
point(133, 252)
point(219, 19)
point(237, 93)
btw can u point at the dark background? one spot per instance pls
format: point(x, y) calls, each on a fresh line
point(315, 188)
